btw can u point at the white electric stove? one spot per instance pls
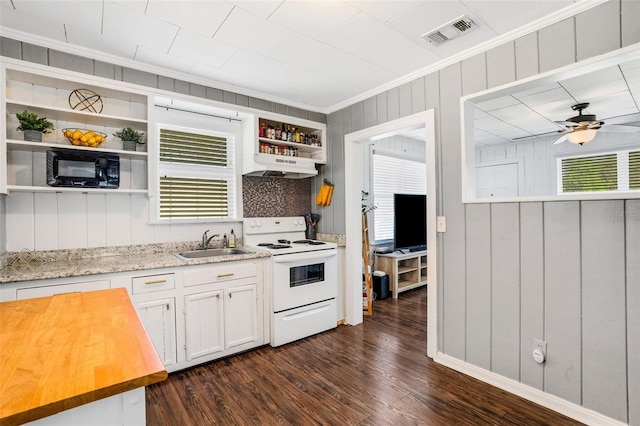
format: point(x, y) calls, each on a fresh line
point(304, 277)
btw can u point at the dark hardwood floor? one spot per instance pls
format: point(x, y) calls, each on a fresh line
point(376, 373)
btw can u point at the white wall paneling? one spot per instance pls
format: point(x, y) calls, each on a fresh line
point(454, 308)
point(505, 290)
point(632, 249)
point(478, 285)
point(562, 309)
point(531, 291)
point(603, 295)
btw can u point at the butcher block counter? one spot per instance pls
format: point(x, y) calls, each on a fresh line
point(64, 351)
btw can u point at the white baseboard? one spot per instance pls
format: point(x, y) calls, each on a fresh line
point(552, 402)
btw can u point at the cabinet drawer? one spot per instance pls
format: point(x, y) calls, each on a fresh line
point(219, 274)
point(52, 290)
point(150, 283)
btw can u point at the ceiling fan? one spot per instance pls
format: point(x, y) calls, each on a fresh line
point(582, 128)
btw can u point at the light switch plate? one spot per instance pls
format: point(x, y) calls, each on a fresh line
point(441, 224)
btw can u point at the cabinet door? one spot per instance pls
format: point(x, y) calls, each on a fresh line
point(204, 326)
point(159, 320)
point(52, 290)
point(241, 315)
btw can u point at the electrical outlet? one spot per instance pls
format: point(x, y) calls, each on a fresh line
point(539, 351)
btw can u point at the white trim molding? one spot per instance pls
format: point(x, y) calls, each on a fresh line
point(547, 400)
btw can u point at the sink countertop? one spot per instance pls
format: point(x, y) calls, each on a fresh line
point(67, 350)
point(76, 263)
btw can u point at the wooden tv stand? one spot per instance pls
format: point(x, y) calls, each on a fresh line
point(406, 271)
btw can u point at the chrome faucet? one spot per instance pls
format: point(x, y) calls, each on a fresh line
point(206, 241)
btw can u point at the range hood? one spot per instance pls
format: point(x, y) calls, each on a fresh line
point(279, 166)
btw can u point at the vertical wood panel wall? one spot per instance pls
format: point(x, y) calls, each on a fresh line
point(564, 272)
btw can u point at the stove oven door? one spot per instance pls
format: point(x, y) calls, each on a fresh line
point(303, 278)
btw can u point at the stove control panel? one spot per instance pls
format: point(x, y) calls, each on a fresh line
point(268, 225)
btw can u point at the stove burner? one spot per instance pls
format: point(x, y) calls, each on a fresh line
point(274, 246)
point(284, 241)
point(310, 242)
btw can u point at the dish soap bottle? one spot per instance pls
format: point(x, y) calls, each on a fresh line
point(231, 240)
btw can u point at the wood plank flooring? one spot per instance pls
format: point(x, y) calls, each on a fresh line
point(376, 373)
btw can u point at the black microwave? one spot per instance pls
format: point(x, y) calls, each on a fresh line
point(80, 169)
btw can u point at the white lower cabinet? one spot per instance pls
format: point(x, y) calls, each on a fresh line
point(220, 319)
point(241, 316)
point(159, 320)
point(204, 323)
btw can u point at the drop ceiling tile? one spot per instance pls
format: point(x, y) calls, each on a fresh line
point(557, 94)
point(361, 36)
point(421, 19)
point(247, 31)
point(253, 65)
point(514, 113)
point(606, 75)
point(537, 88)
point(137, 27)
point(190, 46)
point(403, 56)
point(137, 5)
point(497, 103)
point(200, 17)
point(591, 93)
point(32, 24)
point(506, 15)
point(81, 14)
point(80, 36)
point(490, 124)
point(315, 19)
point(384, 11)
point(261, 8)
point(160, 59)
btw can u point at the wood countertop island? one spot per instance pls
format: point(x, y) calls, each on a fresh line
point(68, 350)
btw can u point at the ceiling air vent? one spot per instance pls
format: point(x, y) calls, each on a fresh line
point(449, 31)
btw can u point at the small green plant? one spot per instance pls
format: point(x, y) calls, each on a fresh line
point(31, 121)
point(129, 134)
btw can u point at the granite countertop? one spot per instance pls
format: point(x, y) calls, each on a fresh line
point(105, 260)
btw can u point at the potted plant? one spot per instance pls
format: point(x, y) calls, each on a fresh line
point(33, 126)
point(130, 138)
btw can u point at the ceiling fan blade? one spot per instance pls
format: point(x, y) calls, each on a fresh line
point(567, 123)
point(619, 128)
point(561, 139)
point(539, 135)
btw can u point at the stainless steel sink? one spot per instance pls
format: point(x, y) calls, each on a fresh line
point(213, 252)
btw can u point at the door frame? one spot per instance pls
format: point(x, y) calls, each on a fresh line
point(354, 156)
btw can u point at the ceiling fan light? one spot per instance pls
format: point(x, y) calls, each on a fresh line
point(581, 136)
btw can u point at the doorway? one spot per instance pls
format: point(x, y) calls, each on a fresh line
point(356, 153)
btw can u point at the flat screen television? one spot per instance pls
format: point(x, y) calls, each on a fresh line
point(410, 222)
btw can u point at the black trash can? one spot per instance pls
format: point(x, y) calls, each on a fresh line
point(380, 285)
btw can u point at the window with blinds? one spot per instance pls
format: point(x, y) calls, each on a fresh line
point(589, 174)
point(196, 174)
point(634, 170)
point(611, 172)
point(392, 175)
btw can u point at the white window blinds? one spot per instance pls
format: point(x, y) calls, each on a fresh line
point(196, 174)
point(392, 175)
point(613, 171)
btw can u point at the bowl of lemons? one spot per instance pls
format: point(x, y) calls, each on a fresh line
point(84, 137)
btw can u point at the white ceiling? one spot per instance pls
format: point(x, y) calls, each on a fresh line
point(613, 93)
point(319, 55)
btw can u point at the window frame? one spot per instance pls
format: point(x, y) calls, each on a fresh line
point(195, 121)
point(622, 170)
